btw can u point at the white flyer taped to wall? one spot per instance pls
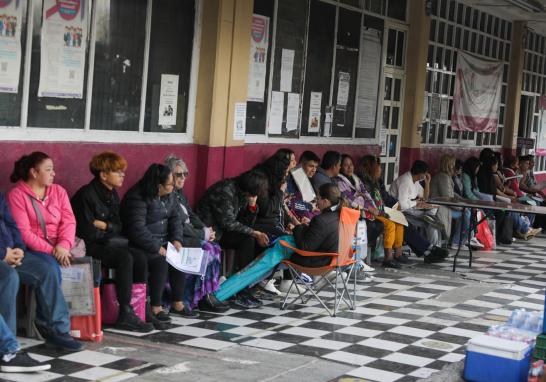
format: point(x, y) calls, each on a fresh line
point(64, 42)
point(304, 184)
point(259, 40)
point(239, 122)
point(343, 89)
point(11, 13)
point(168, 100)
point(292, 111)
point(276, 113)
point(287, 69)
point(315, 104)
point(383, 141)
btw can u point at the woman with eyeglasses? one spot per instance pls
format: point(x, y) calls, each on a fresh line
point(191, 289)
point(96, 207)
point(151, 219)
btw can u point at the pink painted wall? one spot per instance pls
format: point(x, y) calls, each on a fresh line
point(206, 164)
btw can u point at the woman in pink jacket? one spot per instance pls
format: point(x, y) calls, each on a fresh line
point(34, 190)
point(41, 252)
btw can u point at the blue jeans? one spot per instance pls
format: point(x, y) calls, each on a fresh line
point(460, 234)
point(42, 272)
point(521, 224)
point(9, 285)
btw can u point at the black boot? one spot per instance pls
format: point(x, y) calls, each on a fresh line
point(210, 303)
point(151, 318)
point(128, 320)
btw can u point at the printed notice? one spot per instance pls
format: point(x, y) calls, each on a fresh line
point(368, 78)
point(187, 260)
point(292, 111)
point(10, 45)
point(343, 89)
point(287, 69)
point(383, 141)
point(64, 42)
point(314, 112)
point(239, 123)
point(276, 113)
point(77, 286)
point(259, 40)
point(168, 99)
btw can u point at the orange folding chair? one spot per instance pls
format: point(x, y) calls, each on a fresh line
point(342, 261)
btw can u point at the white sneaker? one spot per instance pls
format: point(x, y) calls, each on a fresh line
point(476, 243)
point(365, 267)
point(270, 287)
point(362, 276)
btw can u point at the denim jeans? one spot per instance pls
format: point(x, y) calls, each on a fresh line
point(42, 272)
point(460, 234)
point(9, 285)
point(521, 223)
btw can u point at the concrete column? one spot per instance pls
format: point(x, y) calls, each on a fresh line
point(513, 91)
point(416, 64)
point(222, 82)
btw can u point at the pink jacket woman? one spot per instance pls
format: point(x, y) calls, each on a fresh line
point(53, 204)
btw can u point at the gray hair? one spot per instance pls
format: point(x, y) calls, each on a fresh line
point(172, 161)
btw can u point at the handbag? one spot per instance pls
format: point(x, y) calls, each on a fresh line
point(77, 250)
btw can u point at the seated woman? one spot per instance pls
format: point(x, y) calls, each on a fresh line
point(393, 234)
point(196, 291)
point(43, 231)
point(229, 206)
point(354, 191)
point(96, 206)
point(151, 219)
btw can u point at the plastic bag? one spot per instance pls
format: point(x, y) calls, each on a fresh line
point(110, 305)
point(484, 235)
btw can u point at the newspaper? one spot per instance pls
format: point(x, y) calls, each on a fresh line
point(396, 216)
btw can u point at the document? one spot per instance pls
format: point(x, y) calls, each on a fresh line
point(292, 111)
point(396, 216)
point(168, 100)
point(187, 260)
point(287, 69)
point(276, 113)
point(77, 286)
point(303, 183)
point(343, 89)
point(239, 121)
point(314, 112)
point(259, 41)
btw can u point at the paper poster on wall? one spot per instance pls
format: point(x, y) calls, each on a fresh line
point(168, 99)
point(292, 111)
point(541, 139)
point(259, 40)
point(287, 69)
point(239, 121)
point(315, 103)
point(343, 89)
point(369, 74)
point(276, 113)
point(11, 13)
point(64, 41)
point(383, 141)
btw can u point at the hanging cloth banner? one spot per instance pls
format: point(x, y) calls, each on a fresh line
point(64, 41)
point(11, 12)
point(477, 96)
point(259, 40)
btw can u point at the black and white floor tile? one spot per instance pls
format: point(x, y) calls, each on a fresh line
point(82, 366)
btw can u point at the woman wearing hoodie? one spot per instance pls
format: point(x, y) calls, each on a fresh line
point(42, 232)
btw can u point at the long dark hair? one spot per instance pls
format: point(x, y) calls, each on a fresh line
point(486, 180)
point(155, 175)
point(275, 168)
point(469, 168)
point(253, 182)
point(21, 168)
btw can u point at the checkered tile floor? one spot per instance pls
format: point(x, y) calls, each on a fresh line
point(403, 328)
point(400, 330)
point(82, 366)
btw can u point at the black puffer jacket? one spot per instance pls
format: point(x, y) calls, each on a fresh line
point(95, 202)
point(194, 228)
point(225, 208)
point(150, 223)
point(321, 235)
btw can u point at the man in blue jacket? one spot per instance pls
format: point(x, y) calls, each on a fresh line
point(40, 271)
